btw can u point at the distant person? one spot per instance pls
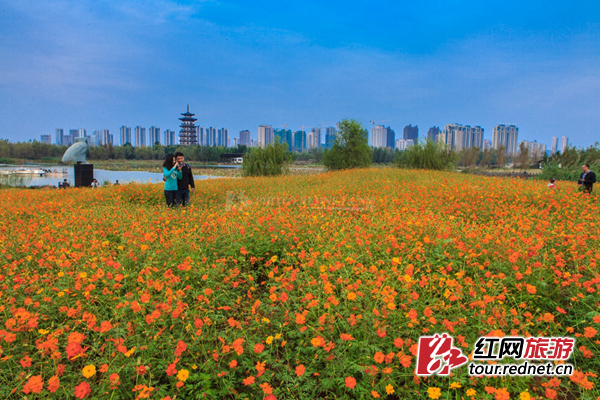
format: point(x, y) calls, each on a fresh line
point(186, 184)
point(552, 184)
point(587, 179)
point(172, 173)
point(117, 182)
point(65, 184)
point(95, 184)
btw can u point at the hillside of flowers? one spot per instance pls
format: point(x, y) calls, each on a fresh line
point(293, 287)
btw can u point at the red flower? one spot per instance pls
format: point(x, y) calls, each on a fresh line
point(82, 390)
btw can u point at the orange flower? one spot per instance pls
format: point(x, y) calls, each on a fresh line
point(89, 371)
point(351, 296)
point(53, 384)
point(35, 384)
point(300, 370)
point(350, 382)
point(379, 357)
point(258, 348)
point(345, 337)
point(531, 289)
point(590, 332)
point(248, 381)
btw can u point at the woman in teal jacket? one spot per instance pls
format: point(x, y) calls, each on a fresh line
point(172, 172)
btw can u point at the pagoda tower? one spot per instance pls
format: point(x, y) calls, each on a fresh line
point(188, 135)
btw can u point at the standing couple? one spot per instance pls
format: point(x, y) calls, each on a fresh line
point(178, 179)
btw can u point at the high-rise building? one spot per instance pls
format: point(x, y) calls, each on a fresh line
point(314, 142)
point(403, 144)
point(188, 135)
point(47, 139)
point(564, 143)
point(60, 134)
point(95, 139)
point(223, 137)
point(106, 137)
point(253, 143)
point(299, 143)
point(74, 133)
point(81, 132)
point(229, 141)
point(201, 135)
point(140, 136)
point(244, 138)
point(170, 137)
point(536, 150)
point(433, 133)
point(487, 144)
point(383, 137)
point(507, 136)
point(459, 137)
point(211, 136)
point(329, 136)
point(554, 145)
point(285, 137)
point(125, 135)
point(154, 134)
point(68, 140)
point(265, 135)
point(410, 133)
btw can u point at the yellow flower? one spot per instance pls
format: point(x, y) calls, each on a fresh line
point(269, 340)
point(130, 352)
point(277, 336)
point(89, 371)
point(434, 392)
point(43, 331)
point(389, 389)
point(183, 374)
point(83, 274)
point(455, 385)
point(471, 392)
point(525, 396)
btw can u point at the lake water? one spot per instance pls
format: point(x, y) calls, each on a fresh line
point(100, 174)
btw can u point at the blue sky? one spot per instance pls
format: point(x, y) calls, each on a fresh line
point(102, 64)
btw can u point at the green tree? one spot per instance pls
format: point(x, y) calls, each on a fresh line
point(270, 160)
point(522, 160)
point(351, 147)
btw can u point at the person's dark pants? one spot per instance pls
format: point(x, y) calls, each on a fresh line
point(183, 197)
point(588, 189)
point(170, 197)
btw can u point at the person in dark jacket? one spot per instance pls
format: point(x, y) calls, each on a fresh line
point(186, 184)
point(587, 179)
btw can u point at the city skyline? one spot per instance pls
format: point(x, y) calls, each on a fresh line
point(239, 64)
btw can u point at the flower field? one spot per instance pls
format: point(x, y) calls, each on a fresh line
point(293, 287)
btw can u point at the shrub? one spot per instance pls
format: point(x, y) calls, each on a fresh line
point(427, 155)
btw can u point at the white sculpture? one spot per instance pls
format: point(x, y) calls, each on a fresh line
point(76, 152)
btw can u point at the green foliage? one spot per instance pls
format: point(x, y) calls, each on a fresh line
point(270, 160)
point(427, 155)
point(5, 160)
point(384, 155)
point(567, 166)
point(351, 147)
